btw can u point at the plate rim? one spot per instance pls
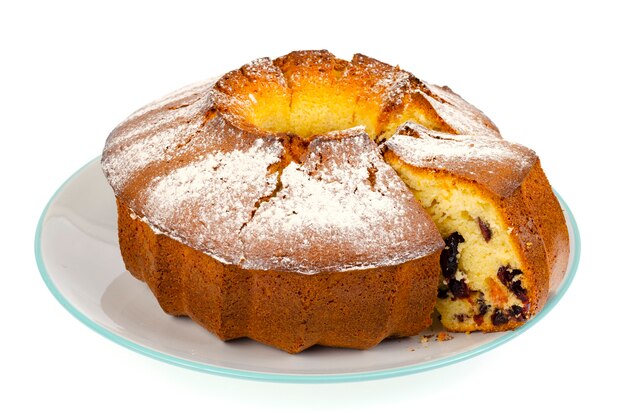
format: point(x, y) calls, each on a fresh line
point(298, 378)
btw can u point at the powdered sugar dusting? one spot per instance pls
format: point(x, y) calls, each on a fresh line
point(343, 208)
point(142, 152)
point(438, 146)
point(135, 144)
point(197, 87)
point(206, 203)
point(498, 164)
point(126, 133)
point(465, 118)
point(395, 84)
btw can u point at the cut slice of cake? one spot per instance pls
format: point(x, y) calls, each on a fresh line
point(503, 227)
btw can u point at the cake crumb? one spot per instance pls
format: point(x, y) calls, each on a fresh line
point(442, 336)
point(509, 230)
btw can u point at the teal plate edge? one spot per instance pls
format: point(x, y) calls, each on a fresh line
point(294, 378)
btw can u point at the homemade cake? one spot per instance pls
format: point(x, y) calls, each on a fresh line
point(283, 202)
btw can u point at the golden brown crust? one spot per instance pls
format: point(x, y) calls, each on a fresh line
point(548, 217)
point(291, 311)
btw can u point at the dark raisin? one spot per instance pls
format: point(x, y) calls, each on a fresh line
point(459, 288)
point(498, 317)
point(442, 293)
point(460, 317)
point(448, 259)
point(485, 230)
point(519, 291)
point(483, 308)
point(517, 312)
point(506, 274)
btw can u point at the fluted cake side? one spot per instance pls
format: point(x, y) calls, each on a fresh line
point(305, 200)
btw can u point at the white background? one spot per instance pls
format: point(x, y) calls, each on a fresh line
point(550, 75)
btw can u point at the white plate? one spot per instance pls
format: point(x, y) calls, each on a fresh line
point(78, 255)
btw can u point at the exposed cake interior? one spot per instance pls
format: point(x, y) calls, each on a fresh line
point(482, 285)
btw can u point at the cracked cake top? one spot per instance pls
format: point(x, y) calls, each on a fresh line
point(276, 166)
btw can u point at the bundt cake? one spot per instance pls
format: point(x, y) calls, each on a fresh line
point(311, 200)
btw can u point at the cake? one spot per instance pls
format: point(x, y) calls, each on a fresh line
point(311, 200)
